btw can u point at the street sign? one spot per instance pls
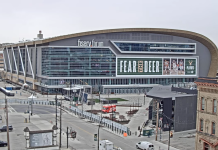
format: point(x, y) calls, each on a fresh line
point(73, 134)
point(95, 137)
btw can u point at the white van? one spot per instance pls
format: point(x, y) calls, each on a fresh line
point(145, 145)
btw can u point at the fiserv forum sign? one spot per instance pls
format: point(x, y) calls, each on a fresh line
point(156, 66)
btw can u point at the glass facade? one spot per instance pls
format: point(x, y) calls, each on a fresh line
point(155, 47)
point(78, 62)
point(124, 81)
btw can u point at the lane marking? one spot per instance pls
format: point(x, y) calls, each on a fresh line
point(93, 134)
point(12, 108)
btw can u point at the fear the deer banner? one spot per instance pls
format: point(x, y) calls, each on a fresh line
point(156, 66)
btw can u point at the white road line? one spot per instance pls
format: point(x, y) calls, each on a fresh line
point(13, 109)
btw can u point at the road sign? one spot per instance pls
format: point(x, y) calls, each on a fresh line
point(73, 134)
point(95, 137)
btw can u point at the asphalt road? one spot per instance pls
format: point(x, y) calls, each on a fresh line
point(85, 134)
point(85, 130)
point(37, 109)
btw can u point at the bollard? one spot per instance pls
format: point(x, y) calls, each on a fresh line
point(25, 121)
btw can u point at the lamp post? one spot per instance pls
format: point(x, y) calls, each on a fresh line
point(29, 110)
point(56, 108)
point(98, 131)
point(6, 108)
point(144, 99)
point(47, 92)
point(32, 104)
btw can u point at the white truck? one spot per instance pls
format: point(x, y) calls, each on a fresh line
point(145, 145)
point(107, 145)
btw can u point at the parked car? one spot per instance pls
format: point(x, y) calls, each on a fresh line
point(2, 143)
point(4, 128)
point(144, 145)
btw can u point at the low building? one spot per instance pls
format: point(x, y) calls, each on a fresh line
point(207, 119)
point(177, 107)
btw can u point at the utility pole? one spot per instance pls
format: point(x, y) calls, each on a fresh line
point(6, 108)
point(60, 123)
point(157, 119)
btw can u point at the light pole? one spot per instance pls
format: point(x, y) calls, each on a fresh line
point(6, 108)
point(60, 123)
point(47, 92)
point(56, 108)
point(98, 132)
point(29, 110)
point(144, 99)
point(32, 104)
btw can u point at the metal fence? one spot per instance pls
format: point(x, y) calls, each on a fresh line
point(114, 126)
point(22, 101)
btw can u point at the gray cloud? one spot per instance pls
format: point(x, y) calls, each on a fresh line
point(23, 19)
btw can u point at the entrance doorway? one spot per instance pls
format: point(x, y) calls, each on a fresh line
point(206, 146)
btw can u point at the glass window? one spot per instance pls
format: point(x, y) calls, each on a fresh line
point(213, 128)
point(156, 47)
point(78, 62)
point(214, 105)
point(201, 125)
point(202, 103)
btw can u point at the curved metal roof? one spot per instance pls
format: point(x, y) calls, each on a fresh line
point(181, 33)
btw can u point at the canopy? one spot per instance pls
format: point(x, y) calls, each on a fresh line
point(32, 97)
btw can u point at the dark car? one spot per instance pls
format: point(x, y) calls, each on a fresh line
point(2, 143)
point(4, 128)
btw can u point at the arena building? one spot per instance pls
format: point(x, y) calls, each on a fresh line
point(128, 60)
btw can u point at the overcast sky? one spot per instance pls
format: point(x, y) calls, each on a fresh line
point(24, 18)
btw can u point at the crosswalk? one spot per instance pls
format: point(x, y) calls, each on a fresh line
point(10, 109)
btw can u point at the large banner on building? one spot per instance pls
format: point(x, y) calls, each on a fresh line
point(169, 66)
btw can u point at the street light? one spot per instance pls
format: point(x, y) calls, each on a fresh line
point(47, 91)
point(56, 99)
point(32, 104)
point(98, 132)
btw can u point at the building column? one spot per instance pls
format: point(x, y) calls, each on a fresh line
point(33, 53)
point(25, 65)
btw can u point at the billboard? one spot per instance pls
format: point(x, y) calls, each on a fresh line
point(165, 66)
point(40, 139)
